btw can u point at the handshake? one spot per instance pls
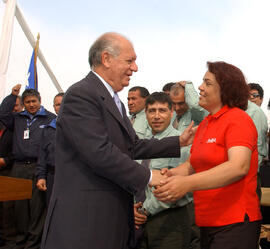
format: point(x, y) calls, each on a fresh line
point(169, 185)
point(161, 181)
point(159, 177)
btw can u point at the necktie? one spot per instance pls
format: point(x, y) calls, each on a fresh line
point(175, 123)
point(132, 120)
point(118, 103)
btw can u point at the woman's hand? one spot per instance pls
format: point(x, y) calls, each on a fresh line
point(173, 188)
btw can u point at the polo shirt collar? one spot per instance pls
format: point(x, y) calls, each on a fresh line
point(223, 110)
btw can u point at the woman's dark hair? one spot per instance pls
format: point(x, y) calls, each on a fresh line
point(233, 86)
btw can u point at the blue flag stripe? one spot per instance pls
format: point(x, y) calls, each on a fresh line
point(32, 71)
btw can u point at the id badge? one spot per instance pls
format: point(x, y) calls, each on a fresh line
point(26, 134)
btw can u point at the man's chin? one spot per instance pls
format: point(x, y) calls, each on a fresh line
point(126, 84)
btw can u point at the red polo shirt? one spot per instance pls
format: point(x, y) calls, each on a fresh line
point(215, 135)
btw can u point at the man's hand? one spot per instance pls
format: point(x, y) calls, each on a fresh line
point(16, 89)
point(2, 162)
point(139, 217)
point(41, 184)
point(166, 171)
point(157, 177)
point(186, 138)
point(173, 188)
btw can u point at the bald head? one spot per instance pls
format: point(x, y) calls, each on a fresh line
point(176, 89)
point(109, 42)
point(177, 95)
point(112, 57)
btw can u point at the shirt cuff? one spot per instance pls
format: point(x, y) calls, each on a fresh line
point(150, 179)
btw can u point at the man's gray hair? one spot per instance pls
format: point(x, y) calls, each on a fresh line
point(176, 89)
point(107, 42)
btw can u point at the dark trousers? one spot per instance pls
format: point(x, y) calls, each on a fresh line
point(29, 214)
point(195, 231)
point(168, 229)
point(243, 235)
point(49, 182)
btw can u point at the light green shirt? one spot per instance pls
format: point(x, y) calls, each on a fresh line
point(140, 124)
point(260, 121)
point(195, 112)
point(151, 204)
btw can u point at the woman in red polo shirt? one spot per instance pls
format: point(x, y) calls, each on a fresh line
point(222, 168)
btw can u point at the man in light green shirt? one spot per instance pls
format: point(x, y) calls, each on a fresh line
point(136, 104)
point(260, 121)
point(166, 224)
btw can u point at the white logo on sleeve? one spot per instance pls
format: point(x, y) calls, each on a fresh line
point(211, 140)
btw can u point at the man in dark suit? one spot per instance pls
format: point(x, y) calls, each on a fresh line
point(95, 174)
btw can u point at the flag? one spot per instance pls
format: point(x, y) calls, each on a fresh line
point(32, 71)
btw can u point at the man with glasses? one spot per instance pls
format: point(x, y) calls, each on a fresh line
point(256, 93)
point(259, 118)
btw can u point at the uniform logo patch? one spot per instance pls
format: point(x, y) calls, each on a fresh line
point(211, 140)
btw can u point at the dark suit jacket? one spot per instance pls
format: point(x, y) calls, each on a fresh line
point(96, 176)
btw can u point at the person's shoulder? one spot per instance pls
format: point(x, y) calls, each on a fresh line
point(171, 131)
point(50, 128)
point(89, 85)
point(239, 117)
point(174, 133)
point(253, 110)
point(236, 114)
point(49, 114)
point(79, 84)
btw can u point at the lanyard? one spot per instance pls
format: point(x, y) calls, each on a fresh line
point(29, 123)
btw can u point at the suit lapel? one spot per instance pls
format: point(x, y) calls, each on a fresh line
point(108, 101)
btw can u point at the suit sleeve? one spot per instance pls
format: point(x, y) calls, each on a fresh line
point(81, 123)
point(164, 148)
point(6, 107)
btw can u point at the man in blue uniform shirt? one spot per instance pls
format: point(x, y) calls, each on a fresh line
point(27, 128)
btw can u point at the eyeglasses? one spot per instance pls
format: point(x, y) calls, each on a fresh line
point(254, 95)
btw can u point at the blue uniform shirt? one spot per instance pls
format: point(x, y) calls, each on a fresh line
point(24, 149)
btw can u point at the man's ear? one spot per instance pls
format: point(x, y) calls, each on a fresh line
point(106, 59)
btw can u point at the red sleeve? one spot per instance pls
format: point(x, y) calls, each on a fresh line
point(241, 131)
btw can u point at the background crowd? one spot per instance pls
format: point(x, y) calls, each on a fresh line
point(212, 188)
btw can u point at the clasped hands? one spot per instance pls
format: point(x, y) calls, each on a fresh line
point(169, 187)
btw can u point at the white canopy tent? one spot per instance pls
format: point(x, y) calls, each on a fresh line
point(12, 10)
